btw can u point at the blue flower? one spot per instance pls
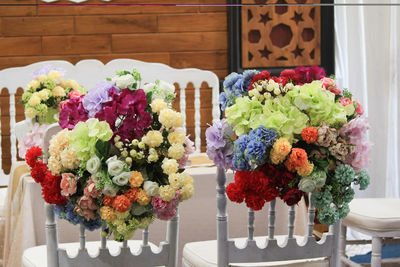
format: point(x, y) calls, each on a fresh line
point(264, 135)
point(240, 163)
point(241, 145)
point(242, 83)
point(256, 152)
point(344, 174)
point(92, 224)
point(230, 80)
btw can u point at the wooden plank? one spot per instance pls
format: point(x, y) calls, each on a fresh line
point(115, 24)
point(202, 60)
point(170, 42)
point(32, 26)
point(70, 45)
point(207, 6)
point(7, 11)
point(192, 22)
point(20, 46)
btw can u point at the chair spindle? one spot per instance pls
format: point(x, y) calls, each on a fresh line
point(145, 236)
point(197, 117)
point(222, 219)
point(82, 237)
point(12, 129)
point(311, 216)
point(103, 238)
point(271, 223)
point(251, 224)
point(292, 215)
point(125, 244)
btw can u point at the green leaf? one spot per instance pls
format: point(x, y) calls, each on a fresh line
point(347, 94)
point(322, 164)
point(123, 72)
point(109, 79)
point(149, 95)
point(102, 149)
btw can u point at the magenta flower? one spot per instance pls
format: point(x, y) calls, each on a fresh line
point(72, 112)
point(309, 74)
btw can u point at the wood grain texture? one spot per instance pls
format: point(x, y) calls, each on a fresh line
point(33, 26)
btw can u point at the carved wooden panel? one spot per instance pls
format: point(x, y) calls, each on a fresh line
point(280, 36)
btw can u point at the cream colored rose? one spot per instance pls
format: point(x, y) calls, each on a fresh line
point(188, 178)
point(178, 120)
point(54, 165)
point(176, 151)
point(33, 85)
point(55, 75)
point(73, 84)
point(176, 137)
point(42, 78)
point(166, 192)
point(58, 91)
point(44, 94)
point(176, 180)
point(35, 100)
point(151, 188)
point(30, 112)
point(186, 192)
point(158, 104)
point(69, 160)
point(153, 138)
point(169, 166)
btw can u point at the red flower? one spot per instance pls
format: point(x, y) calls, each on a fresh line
point(51, 189)
point(264, 75)
point(291, 197)
point(234, 193)
point(38, 172)
point(259, 182)
point(32, 154)
point(255, 201)
point(242, 179)
point(289, 74)
point(284, 178)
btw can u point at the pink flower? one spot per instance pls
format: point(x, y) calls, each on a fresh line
point(189, 149)
point(87, 203)
point(72, 112)
point(91, 190)
point(165, 210)
point(345, 101)
point(330, 85)
point(74, 94)
point(359, 108)
point(359, 159)
point(34, 138)
point(88, 214)
point(68, 184)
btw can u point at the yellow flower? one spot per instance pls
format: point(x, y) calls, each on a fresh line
point(168, 117)
point(73, 84)
point(30, 112)
point(176, 180)
point(122, 215)
point(55, 75)
point(176, 151)
point(58, 91)
point(33, 85)
point(35, 100)
point(186, 192)
point(280, 150)
point(152, 158)
point(63, 83)
point(176, 137)
point(169, 166)
point(143, 198)
point(188, 178)
point(136, 180)
point(179, 120)
point(158, 104)
point(306, 169)
point(58, 142)
point(153, 138)
point(69, 160)
point(107, 214)
point(54, 165)
point(42, 78)
point(44, 94)
point(166, 192)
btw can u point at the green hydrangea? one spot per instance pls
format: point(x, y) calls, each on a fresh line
point(322, 199)
point(329, 215)
point(319, 177)
point(343, 211)
point(26, 96)
point(50, 83)
point(344, 174)
point(318, 103)
point(84, 136)
point(348, 195)
point(362, 179)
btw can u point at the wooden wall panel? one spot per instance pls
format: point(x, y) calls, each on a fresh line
point(182, 37)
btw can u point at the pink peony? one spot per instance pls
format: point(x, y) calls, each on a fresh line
point(91, 190)
point(330, 84)
point(359, 159)
point(345, 101)
point(87, 203)
point(74, 94)
point(165, 210)
point(34, 138)
point(68, 184)
point(189, 149)
point(359, 109)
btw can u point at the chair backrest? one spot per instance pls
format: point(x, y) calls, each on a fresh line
point(89, 72)
point(270, 250)
point(166, 255)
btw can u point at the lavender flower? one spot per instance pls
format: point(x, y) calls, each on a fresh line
point(46, 69)
point(96, 97)
point(219, 144)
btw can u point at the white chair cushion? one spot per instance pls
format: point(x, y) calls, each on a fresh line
point(375, 214)
point(204, 254)
point(37, 256)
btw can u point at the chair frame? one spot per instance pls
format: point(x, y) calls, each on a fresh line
point(228, 251)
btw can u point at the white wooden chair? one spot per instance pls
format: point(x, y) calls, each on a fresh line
point(89, 72)
point(271, 250)
point(375, 217)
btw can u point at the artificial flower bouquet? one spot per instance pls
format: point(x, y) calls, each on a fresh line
point(290, 135)
point(41, 101)
point(120, 158)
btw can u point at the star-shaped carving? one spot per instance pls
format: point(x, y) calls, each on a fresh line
point(265, 52)
point(265, 18)
point(297, 52)
point(297, 17)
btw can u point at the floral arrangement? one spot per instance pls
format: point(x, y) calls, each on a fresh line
point(41, 100)
point(120, 158)
point(291, 135)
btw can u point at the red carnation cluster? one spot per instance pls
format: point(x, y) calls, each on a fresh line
point(50, 183)
point(264, 75)
point(263, 185)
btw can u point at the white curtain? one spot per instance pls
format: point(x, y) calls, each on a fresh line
point(367, 40)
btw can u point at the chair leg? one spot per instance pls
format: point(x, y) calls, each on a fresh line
point(342, 244)
point(376, 254)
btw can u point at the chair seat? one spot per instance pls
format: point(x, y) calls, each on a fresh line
point(374, 214)
point(37, 256)
point(204, 254)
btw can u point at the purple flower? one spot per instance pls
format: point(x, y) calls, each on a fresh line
point(46, 69)
point(72, 112)
point(96, 97)
point(219, 144)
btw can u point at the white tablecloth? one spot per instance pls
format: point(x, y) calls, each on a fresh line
point(26, 219)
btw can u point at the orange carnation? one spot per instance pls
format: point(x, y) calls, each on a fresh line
point(132, 194)
point(298, 157)
point(136, 180)
point(108, 201)
point(121, 203)
point(309, 134)
point(306, 169)
point(289, 164)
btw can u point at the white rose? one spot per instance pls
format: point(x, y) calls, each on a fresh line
point(124, 81)
point(307, 185)
point(115, 167)
point(148, 87)
point(151, 188)
point(110, 190)
point(93, 165)
point(122, 179)
point(166, 88)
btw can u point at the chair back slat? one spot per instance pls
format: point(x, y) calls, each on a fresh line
point(251, 224)
point(291, 221)
point(197, 128)
point(103, 244)
point(271, 220)
point(82, 237)
point(311, 216)
point(145, 236)
point(182, 104)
